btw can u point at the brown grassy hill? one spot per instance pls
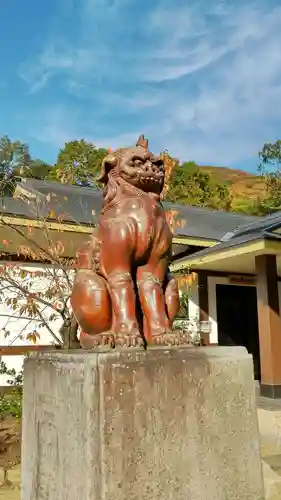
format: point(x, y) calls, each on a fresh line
point(244, 187)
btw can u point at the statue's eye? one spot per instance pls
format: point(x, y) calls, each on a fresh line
point(159, 164)
point(137, 161)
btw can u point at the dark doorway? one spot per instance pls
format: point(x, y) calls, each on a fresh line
point(237, 317)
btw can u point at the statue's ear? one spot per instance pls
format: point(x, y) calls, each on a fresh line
point(109, 162)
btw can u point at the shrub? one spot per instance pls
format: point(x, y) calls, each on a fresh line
point(11, 403)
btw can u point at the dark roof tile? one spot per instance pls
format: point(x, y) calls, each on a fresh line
point(82, 205)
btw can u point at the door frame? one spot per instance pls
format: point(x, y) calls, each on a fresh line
point(213, 281)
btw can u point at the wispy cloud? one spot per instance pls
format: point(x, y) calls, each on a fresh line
point(55, 126)
point(202, 78)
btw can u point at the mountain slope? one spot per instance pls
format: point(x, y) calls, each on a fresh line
point(245, 188)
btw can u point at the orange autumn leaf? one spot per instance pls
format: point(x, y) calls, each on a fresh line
point(181, 223)
point(58, 304)
point(170, 164)
point(171, 215)
point(186, 280)
point(58, 248)
point(32, 337)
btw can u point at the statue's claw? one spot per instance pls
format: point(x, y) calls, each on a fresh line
point(171, 338)
point(131, 340)
point(105, 339)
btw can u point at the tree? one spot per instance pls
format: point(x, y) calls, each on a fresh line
point(13, 154)
point(16, 162)
point(222, 198)
point(39, 297)
point(79, 163)
point(36, 169)
point(169, 164)
point(191, 186)
point(270, 169)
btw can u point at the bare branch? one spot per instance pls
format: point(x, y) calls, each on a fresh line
point(27, 293)
point(19, 287)
point(49, 329)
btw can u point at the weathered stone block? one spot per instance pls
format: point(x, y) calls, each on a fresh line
point(167, 423)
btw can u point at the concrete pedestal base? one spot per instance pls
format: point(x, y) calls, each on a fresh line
point(177, 423)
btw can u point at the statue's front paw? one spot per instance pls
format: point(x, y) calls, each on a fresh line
point(105, 339)
point(128, 335)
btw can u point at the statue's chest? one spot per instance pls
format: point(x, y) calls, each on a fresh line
point(153, 232)
point(149, 223)
point(149, 217)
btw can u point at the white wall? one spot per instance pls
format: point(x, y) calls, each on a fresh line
point(212, 282)
point(193, 301)
point(19, 327)
point(194, 311)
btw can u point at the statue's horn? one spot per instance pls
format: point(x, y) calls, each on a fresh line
point(142, 142)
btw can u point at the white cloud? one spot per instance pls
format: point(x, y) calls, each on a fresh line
point(196, 42)
point(205, 81)
point(237, 110)
point(55, 126)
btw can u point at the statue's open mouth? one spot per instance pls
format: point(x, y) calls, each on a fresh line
point(146, 179)
point(151, 181)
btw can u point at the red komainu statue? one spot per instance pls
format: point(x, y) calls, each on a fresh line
point(123, 293)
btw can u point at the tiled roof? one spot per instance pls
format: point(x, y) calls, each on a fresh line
point(82, 205)
point(204, 223)
point(260, 224)
point(262, 229)
point(225, 245)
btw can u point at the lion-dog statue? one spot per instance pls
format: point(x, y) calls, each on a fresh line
point(123, 293)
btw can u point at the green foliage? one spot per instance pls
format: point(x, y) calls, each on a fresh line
point(190, 186)
point(270, 169)
point(16, 162)
point(270, 154)
point(13, 155)
point(36, 169)
point(183, 312)
point(250, 207)
point(78, 162)
point(11, 403)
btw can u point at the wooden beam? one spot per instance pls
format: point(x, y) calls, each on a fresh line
point(269, 325)
point(23, 349)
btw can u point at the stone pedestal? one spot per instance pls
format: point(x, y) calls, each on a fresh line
point(168, 423)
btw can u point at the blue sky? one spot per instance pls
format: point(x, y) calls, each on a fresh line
point(201, 78)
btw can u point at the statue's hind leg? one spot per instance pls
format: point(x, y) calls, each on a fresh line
point(91, 304)
point(172, 299)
